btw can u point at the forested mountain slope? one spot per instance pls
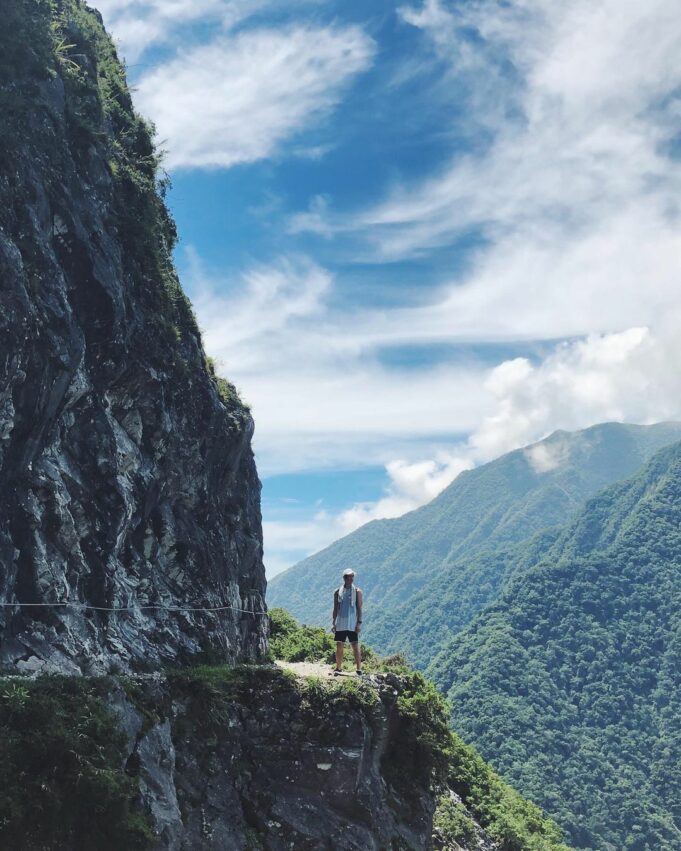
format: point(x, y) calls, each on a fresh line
point(488, 509)
point(570, 684)
point(422, 625)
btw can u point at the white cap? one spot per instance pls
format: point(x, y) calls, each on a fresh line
point(348, 572)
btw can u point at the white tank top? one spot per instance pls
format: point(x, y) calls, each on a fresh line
point(347, 613)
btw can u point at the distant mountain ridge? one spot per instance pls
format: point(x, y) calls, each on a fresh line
point(426, 574)
point(570, 683)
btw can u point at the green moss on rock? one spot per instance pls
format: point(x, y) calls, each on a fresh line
point(62, 45)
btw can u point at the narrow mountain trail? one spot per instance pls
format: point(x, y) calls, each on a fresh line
point(313, 669)
point(306, 669)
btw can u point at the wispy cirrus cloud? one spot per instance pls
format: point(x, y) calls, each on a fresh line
point(579, 104)
point(138, 25)
point(265, 311)
point(240, 98)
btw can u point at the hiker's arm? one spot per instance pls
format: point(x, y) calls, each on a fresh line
point(335, 610)
point(358, 627)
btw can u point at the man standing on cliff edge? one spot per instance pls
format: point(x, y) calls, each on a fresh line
point(347, 620)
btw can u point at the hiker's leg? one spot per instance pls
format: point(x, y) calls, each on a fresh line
point(356, 653)
point(340, 647)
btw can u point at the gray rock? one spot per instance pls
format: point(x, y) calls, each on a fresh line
point(126, 477)
point(156, 753)
point(307, 778)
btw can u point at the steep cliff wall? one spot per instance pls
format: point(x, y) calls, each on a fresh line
point(126, 473)
point(245, 758)
point(310, 764)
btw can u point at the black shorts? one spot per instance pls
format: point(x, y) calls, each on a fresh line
point(342, 634)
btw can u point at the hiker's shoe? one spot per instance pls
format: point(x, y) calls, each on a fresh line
point(337, 672)
point(360, 673)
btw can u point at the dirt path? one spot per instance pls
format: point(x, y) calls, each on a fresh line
point(310, 669)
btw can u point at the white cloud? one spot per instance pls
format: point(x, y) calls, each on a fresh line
point(312, 220)
point(411, 485)
point(432, 16)
point(138, 24)
point(315, 415)
point(544, 457)
point(319, 395)
point(631, 376)
point(239, 98)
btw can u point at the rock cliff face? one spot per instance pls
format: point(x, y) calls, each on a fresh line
point(228, 758)
point(311, 766)
point(126, 472)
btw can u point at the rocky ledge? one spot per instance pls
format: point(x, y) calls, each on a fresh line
point(263, 761)
point(248, 757)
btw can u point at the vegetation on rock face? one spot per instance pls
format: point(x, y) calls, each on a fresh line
point(228, 392)
point(61, 769)
point(571, 683)
point(432, 570)
point(101, 111)
point(294, 642)
point(62, 45)
point(453, 824)
point(424, 752)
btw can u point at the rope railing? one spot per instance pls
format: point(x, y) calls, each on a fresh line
point(158, 607)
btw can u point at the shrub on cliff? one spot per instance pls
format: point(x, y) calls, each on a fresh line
point(61, 775)
point(294, 642)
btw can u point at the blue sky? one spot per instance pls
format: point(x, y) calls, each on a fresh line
point(418, 235)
